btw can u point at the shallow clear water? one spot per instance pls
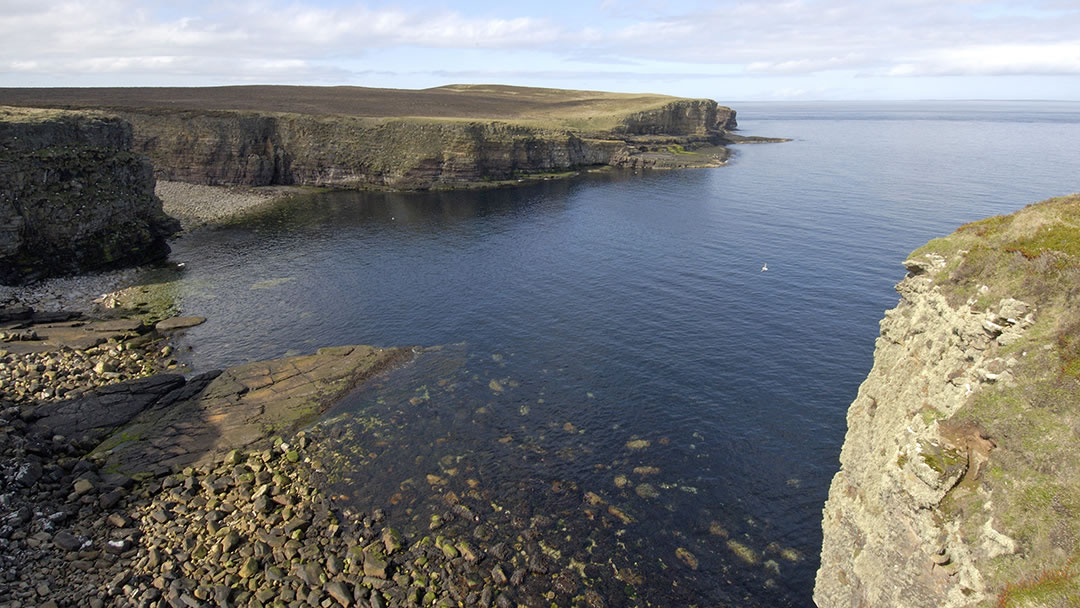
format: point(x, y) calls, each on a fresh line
point(588, 313)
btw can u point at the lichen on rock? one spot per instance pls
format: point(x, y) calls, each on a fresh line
point(958, 485)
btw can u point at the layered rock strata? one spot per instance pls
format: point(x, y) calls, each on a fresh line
point(234, 148)
point(438, 138)
point(957, 484)
point(74, 196)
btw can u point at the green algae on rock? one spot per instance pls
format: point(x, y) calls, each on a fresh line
point(240, 407)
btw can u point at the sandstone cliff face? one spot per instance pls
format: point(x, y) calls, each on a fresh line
point(957, 484)
point(685, 117)
point(73, 197)
point(343, 151)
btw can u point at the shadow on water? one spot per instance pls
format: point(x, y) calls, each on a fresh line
point(418, 209)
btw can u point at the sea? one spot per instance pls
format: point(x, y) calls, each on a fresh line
point(603, 367)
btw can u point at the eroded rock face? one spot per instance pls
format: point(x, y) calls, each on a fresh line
point(685, 117)
point(73, 197)
point(342, 151)
point(888, 541)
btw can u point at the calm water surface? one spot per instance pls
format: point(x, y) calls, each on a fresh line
point(610, 341)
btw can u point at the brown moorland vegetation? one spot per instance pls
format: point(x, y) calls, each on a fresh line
point(557, 108)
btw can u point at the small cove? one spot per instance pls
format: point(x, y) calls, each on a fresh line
point(615, 331)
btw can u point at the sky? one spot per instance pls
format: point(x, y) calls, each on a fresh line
point(724, 49)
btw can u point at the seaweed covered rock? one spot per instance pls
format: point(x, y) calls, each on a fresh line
point(74, 197)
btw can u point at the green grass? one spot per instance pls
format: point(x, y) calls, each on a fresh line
point(1049, 588)
point(576, 110)
point(1032, 480)
point(1050, 240)
point(12, 114)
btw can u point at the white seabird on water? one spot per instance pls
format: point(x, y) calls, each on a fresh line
point(764, 267)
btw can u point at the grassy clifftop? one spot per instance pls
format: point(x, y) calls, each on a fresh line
point(1033, 418)
point(354, 137)
point(540, 107)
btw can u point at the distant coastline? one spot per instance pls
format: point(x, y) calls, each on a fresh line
point(357, 138)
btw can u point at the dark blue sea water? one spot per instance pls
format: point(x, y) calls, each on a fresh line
point(612, 337)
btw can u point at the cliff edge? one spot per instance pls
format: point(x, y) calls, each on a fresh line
point(356, 137)
point(960, 479)
point(73, 196)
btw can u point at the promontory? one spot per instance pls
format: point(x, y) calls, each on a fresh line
point(960, 479)
point(356, 137)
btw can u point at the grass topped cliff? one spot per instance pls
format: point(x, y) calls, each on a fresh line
point(73, 196)
point(1031, 484)
point(541, 107)
point(355, 137)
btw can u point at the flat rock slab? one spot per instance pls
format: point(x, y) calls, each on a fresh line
point(73, 334)
point(175, 323)
point(96, 416)
point(240, 407)
point(117, 326)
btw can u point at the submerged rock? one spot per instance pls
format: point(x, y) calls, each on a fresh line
point(244, 404)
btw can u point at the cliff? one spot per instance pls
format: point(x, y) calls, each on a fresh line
point(350, 152)
point(73, 196)
point(355, 137)
point(960, 481)
point(688, 117)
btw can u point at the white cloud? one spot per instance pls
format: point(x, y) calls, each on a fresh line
point(803, 66)
point(995, 60)
point(777, 39)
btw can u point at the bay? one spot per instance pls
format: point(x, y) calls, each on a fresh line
point(615, 331)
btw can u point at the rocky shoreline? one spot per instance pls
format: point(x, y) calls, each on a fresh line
point(252, 528)
point(82, 523)
point(198, 205)
point(75, 531)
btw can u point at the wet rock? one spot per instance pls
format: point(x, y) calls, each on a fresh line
point(686, 557)
point(566, 582)
point(645, 490)
point(254, 401)
point(391, 539)
point(176, 323)
point(108, 408)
